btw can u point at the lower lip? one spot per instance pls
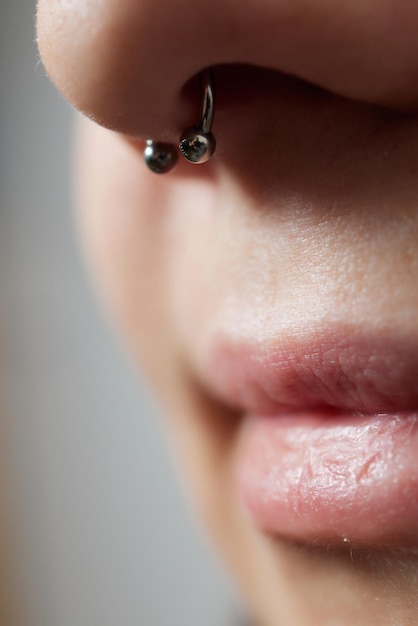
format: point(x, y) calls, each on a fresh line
point(336, 479)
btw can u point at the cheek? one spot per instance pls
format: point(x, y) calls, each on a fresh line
point(126, 242)
point(120, 219)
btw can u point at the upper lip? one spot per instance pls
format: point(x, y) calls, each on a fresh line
point(331, 368)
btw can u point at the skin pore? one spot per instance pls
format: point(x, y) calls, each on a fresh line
point(305, 222)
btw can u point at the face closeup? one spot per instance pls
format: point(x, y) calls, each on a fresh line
point(270, 296)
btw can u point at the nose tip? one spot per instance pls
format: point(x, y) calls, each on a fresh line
point(124, 63)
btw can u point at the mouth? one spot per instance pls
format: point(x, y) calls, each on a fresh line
point(329, 440)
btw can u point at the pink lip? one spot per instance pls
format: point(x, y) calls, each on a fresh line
point(329, 450)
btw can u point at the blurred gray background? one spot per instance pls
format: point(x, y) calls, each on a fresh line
point(93, 527)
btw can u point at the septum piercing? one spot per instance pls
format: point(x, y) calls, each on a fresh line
point(197, 144)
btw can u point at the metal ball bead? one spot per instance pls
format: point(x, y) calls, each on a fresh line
point(197, 146)
point(160, 157)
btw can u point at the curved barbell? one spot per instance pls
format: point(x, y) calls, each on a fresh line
point(197, 144)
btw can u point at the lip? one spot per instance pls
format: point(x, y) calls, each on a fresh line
point(329, 442)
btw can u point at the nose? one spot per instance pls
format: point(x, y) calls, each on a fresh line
point(124, 63)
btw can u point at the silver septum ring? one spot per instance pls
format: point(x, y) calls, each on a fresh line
point(197, 144)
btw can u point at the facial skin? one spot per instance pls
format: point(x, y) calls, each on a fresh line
point(302, 230)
